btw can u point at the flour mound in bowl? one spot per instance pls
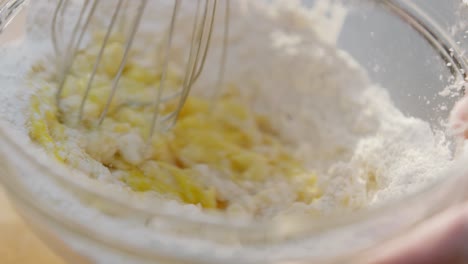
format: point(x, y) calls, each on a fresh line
point(297, 127)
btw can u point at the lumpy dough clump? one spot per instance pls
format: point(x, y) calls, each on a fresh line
point(218, 155)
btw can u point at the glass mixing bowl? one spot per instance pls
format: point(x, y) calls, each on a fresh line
point(415, 49)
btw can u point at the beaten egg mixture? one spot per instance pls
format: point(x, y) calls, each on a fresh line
point(220, 156)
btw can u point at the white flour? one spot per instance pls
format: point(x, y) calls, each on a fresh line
point(365, 150)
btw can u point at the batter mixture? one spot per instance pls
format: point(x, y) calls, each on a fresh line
point(218, 156)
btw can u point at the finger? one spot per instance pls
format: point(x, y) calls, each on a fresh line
point(443, 239)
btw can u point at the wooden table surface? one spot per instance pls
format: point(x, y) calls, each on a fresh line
point(18, 245)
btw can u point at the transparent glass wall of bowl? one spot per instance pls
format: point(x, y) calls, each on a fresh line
point(405, 63)
point(396, 55)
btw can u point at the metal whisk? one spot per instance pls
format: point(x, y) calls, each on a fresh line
point(199, 47)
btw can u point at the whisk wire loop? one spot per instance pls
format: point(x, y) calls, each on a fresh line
point(66, 48)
